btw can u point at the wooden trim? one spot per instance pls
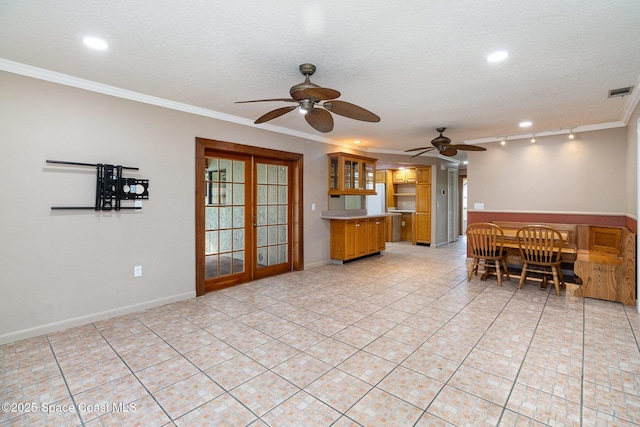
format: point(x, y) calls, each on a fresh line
point(297, 222)
point(354, 156)
point(199, 210)
point(461, 230)
point(232, 147)
point(631, 224)
point(533, 218)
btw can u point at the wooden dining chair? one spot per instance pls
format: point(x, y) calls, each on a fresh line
point(541, 246)
point(486, 243)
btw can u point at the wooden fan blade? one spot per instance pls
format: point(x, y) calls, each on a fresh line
point(465, 147)
point(275, 113)
point(320, 120)
point(422, 152)
point(351, 111)
point(449, 151)
point(265, 100)
point(321, 93)
point(416, 149)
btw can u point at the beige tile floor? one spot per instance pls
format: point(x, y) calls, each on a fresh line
point(400, 339)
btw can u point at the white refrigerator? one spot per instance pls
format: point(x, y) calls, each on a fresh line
point(376, 203)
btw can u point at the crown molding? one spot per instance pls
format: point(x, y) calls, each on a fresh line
point(64, 79)
point(632, 103)
point(67, 80)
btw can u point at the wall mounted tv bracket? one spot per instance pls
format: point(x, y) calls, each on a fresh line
point(111, 187)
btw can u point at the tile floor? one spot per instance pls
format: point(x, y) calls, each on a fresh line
point(400, 339)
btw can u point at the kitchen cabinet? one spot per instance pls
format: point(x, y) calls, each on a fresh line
point(423, 175)
point(351, 174)
point(354, 238)
point(422, 217)
point(377, 235)
point(406, 227)
point(404, 176)
point(423, 198)
point(422, 228)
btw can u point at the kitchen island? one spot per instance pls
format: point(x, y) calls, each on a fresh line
point(355, 234)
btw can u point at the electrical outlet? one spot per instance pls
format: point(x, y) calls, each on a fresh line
point(137, 271)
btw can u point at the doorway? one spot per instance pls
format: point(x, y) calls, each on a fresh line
point(452, 201)
point(248, 213)
point(462, 206)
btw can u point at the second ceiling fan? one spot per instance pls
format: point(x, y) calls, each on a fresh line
point(444, 146)
point(310, 97)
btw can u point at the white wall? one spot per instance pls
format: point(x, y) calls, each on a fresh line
point(60, 269)
point(586, 175)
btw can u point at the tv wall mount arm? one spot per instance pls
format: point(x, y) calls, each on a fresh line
point(111, 187)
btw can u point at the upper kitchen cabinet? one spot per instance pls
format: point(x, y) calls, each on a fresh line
point(423, 175)
point(351, 174)
point(404, 176)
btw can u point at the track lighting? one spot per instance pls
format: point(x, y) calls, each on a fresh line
point(533, 138)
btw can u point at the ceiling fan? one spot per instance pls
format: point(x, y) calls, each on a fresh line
point(309, 98)
point(445, 147)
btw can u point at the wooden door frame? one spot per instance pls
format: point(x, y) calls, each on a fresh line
point(297, 240)
point(461, 178)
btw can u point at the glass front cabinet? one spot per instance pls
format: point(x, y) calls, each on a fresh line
point(351, 174)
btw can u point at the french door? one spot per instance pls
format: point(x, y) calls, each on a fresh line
point(271, 217)
point(245, 205)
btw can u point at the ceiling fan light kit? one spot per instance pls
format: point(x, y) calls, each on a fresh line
point(444, 146)
point(316, 103)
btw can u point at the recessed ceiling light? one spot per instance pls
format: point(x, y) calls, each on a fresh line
point(525, 124)
point(498, 56)
point(95, 43)
point(357, 141)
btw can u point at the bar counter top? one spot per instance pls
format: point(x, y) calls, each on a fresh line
point(348, 214)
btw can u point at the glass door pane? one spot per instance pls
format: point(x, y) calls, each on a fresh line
point(333, 174)
point(356, 175)
point(348, 177)
point(369, 175)
point(224, 217)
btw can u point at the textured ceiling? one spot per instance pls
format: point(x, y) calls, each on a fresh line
point(418, 64)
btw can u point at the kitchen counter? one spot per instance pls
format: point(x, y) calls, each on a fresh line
point(347, 214)
point(401, 211)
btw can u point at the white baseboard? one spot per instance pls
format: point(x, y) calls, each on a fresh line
point(317, 264)
point(83, 320)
